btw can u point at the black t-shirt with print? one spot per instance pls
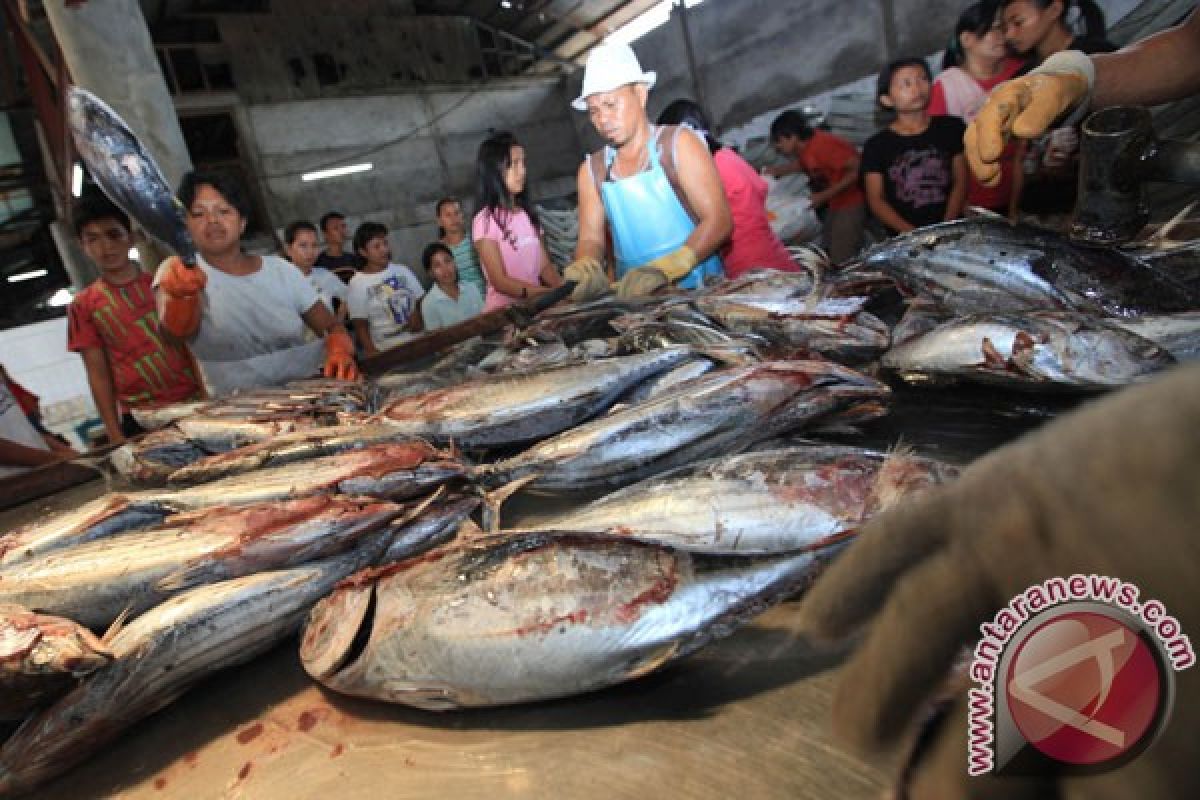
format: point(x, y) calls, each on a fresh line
point(917, 170)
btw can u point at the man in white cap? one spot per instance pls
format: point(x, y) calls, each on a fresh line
point(657, 187)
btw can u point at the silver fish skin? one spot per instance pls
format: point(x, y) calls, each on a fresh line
point(41, 656)
point(724, 411)
point(986, 265)
point(767, 501)
point(434, 526)
point(152, 418)
point(391, 471)
point(512, 409)
point(150, 460)
point(836, 327)
point(125, 171)
point(1178, 334)
point(1034, 350)
point(530, 617)
point(104, 516)
point(283, 448)
point(95, 583)
point(664, 382)
point(165, 651)
point(219, 434)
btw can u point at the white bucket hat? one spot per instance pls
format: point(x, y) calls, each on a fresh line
point(610, 66)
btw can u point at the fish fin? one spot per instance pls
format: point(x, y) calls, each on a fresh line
point(1160, 236)
point(194, 574)
point(116, 626)
point(493, 500)
point(993, 358)
point(651, 661)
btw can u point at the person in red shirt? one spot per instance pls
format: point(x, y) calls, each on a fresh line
point(976, 62)
point(832, 162)
point(752, 244)
point(113, 325)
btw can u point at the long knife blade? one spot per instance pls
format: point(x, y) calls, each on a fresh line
point(437, 341)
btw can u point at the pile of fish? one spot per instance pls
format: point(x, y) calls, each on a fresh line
point(1025, 308)
point(369, 516)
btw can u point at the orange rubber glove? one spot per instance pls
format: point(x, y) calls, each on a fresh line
point(339, 356)
point(182, 285)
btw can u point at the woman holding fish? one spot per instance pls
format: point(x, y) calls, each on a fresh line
point(244, 317)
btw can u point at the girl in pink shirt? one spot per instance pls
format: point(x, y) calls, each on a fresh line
point(752, 244)
point(505, 230)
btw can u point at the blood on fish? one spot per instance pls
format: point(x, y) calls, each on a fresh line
point(308, 719)
point(244, 771)
point(575, 618)
point(338, 749)
point(190, 759)
point(250, 734)
point(659, 593)
point(160, 783)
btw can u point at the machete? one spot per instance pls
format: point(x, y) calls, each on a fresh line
point(437, 341)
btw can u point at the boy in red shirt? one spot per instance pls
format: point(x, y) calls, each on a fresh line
point(113, 325)
point(831, 162)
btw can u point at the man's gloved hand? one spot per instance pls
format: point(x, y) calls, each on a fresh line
point(1112, 489)
point(182, 286)
point(339, 356)
point(1026, 107)
point(590, 279)
point(651, 277)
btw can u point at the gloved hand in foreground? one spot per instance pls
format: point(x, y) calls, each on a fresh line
point(1112, 489)
point(182, 286)
point(590, 279)
point(651, 277)
point(1026, 107)
point(339, 356)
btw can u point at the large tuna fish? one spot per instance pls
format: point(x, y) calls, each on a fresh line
point(1033, 350)
point(390, 471)
point(162, 653)
point(532, 617)
point(41, 657)
point(768, 501)
point(94, 583)
point(838, 327)
point(512, 409)
point(985, 265)
point(721, 412)
point(284, 448)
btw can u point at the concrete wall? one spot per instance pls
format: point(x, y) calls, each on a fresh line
point(757, 55)
point(422, 145)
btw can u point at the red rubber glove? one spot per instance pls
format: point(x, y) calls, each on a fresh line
point(182, 286)
point(339, 356)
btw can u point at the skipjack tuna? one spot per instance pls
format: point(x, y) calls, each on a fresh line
point(516, 619)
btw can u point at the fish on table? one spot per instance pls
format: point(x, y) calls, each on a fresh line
point(1035, 350)
point(724, 411)
point(767, 501)
point(528, 617)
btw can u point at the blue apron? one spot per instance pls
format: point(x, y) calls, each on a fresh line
point(648, 221)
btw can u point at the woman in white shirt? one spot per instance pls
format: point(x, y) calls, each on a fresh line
point(303, 248)
point(243, 317)
point(449, 301)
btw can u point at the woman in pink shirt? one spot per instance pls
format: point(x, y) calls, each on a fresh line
point(752, 245)
point(505, 229)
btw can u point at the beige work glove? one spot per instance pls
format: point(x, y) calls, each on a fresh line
point(651, 277)
point(1112, 489)
point(1026, 107)
point(591, 281)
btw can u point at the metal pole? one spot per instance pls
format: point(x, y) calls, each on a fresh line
point(697, 83)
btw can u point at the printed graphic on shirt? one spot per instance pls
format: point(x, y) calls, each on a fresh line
point(920, 177)
point(393, 295)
